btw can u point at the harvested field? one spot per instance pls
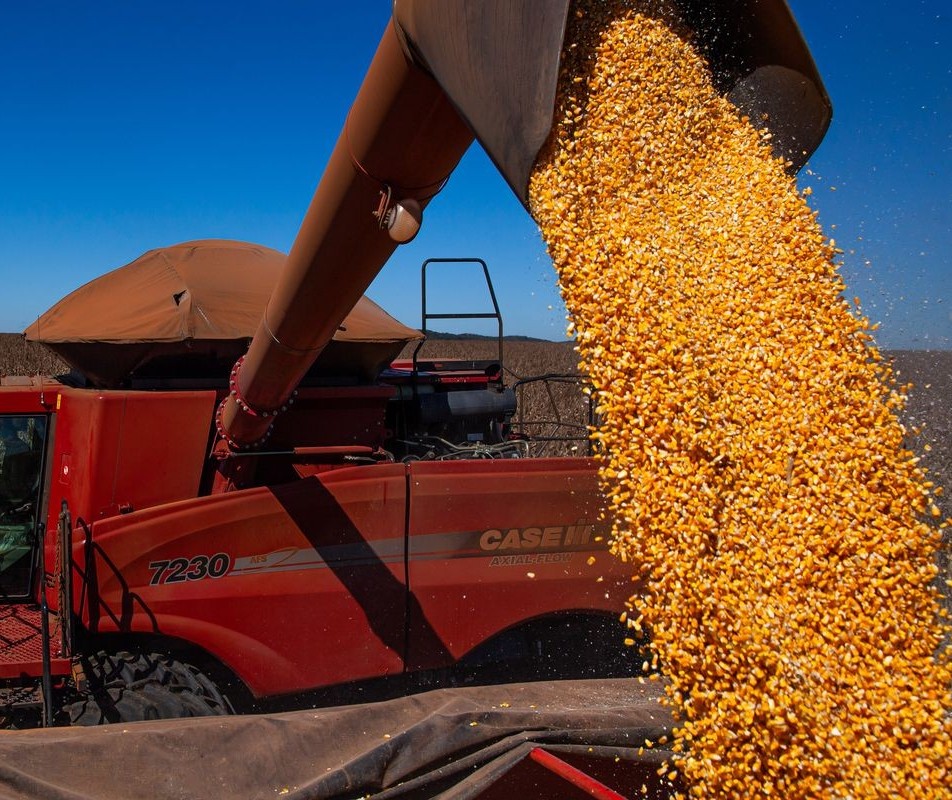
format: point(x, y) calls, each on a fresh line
point(20, 357)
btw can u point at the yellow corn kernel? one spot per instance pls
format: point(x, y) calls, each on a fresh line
point(749, 447)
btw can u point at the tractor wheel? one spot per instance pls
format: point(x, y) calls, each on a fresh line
point(130, 687)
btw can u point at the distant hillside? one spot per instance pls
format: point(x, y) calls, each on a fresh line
point(475, 337)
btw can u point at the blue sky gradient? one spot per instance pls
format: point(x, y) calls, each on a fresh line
point(128, 126)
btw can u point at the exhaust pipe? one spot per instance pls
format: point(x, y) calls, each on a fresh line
point(446, 71)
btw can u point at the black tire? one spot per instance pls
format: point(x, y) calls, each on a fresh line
point(131, 687)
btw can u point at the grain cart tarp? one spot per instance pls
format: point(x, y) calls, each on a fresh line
point(451, 743)
point(191, 309)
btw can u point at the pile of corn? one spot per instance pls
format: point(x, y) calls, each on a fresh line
point(751, 451)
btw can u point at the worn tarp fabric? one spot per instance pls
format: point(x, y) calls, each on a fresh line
point(448, 743)
point(201, 299)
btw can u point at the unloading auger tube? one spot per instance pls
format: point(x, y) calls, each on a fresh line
point(447, 71)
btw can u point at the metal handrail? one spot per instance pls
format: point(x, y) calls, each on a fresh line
point(426, 316)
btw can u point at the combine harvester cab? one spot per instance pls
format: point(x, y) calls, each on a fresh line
point(153, 525)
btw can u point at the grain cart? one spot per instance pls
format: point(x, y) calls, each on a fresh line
point(191, 525)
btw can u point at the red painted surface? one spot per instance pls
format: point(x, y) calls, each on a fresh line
point(331, 572)
point(114, 452)
point(496, 542)
point(573, 776)
point(314, 592)
point(119, 451)
point(576, 773)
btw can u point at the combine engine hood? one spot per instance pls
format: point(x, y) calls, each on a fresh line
point(447, 71)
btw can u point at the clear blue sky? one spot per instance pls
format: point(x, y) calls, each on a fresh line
point(126, 126)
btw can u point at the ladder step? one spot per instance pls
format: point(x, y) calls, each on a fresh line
point(21, 642)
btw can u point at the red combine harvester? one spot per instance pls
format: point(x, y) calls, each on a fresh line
point(190, 525)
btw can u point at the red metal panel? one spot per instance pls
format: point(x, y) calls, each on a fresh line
point(292, 586)
point(573, 776)
point(161, 449)
point(494, 543)
point(27, 395)
point(121, 450)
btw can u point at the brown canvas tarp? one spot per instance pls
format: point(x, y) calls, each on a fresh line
point(449, 743)
point(199, 300)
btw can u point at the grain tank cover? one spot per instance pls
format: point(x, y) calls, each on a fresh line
point(188, 311)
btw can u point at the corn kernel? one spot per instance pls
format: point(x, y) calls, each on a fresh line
point(749, 446)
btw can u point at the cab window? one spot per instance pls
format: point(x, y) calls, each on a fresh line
point(22, 444)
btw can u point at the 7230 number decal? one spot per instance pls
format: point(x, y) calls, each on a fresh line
point(179, 570)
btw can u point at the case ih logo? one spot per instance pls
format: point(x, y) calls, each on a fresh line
point(552, 537)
